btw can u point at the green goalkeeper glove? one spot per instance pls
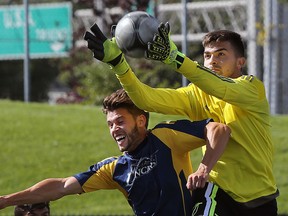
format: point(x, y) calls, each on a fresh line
point(106, 50)
point(162, 48)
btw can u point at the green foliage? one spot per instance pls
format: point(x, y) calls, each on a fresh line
point(97, 82)
point(40, 141)
point(154, 73)
point(89, 78)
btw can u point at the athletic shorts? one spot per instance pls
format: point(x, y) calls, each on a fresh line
point(213, 201)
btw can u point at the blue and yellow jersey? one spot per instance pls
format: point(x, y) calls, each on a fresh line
point(153, 177)
point(245, 169)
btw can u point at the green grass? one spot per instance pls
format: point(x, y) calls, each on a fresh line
point(40, 141)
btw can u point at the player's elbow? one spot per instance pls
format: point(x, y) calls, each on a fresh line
point(216, 130)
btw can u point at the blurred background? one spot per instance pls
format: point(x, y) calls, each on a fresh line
point(43, 57)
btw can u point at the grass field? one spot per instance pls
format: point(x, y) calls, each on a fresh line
point(40, 141)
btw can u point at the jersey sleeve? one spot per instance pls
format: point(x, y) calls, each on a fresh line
point(98, 176)
point(183, 135)
point(242, 91)
point(161, 100)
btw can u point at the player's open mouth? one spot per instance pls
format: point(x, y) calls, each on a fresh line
point(119, 138)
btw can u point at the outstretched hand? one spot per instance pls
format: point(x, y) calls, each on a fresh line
point(162, 48)
point(106, 50)
point(103, 49)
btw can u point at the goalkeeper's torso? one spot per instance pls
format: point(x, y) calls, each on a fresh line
point(245, 169)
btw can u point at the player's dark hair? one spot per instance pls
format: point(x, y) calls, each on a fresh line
point(120, 99)
point(21, 210)
point(223, 36)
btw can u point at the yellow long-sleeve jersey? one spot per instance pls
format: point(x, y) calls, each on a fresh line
point(245, 169)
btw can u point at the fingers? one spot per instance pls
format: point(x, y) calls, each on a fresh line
point(152, 56)
point(167, 26)
point(195, 181)
point(191, 182)
point(164, 31)
point(98, 33)
point(155, 47)
point(94, 45)
point(159, 47)
point(161, 30)
point(88, 36)
point(158, 40)
point(156, 50)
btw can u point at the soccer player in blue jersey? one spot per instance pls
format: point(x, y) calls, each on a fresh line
point(242, 181)
point(151, 173)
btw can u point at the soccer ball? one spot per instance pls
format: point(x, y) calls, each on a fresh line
point(133, 31)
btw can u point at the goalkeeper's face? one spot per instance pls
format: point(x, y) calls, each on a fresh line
point(127, 130)
point(222, 59)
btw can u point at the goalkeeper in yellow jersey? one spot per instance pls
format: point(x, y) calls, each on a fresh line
point(242, 181)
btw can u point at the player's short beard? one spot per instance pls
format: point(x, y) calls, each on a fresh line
point(133, 139)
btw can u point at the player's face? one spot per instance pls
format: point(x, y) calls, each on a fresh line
point(221, 58)
point(124, 128)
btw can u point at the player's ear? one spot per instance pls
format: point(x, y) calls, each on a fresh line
point(141, 120)
point(241, 62)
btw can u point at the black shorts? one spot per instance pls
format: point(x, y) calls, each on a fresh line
point(213, 201)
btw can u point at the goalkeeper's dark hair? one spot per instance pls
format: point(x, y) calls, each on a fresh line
point(120, 99)
point(225, 36)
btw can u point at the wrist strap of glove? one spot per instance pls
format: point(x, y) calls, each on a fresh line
point(177, 61)
point(119, 64)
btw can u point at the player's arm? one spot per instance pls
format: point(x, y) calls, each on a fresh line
point(242, 91)
point(46, 190)
point(235, 91)
point(182, 136)
point(161, 100)
point(145, 97)
point(217, 136)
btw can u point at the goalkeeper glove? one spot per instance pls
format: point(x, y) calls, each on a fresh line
point(162, 48)
point(106, 50)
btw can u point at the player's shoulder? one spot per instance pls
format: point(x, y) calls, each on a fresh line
point(164, 124)
point(181, 124)
point(107, 161)
point(249, 78)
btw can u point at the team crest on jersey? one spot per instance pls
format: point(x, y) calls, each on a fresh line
point(141, 167)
